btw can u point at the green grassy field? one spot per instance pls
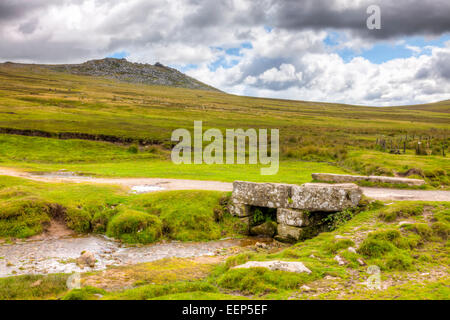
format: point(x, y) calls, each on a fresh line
point(36, 101)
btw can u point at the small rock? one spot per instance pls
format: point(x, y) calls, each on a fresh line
point(261, 245)
point(361, 262)
point(87, 258)
point(330, 278)
point(305, 288)
point(341, 261)
point(403, 222)
point(339, 237)
point(312, 256)
point(351, 249)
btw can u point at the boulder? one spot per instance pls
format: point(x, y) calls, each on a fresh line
point(270, 195)
point(87, 258)
point(288, 266)
point(325, 197)
point(268, 229)
point(239, 209)
point(289, 233)
point(292, 217)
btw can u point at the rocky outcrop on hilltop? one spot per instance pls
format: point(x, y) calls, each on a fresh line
point(123, 70)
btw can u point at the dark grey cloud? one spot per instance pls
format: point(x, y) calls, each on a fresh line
point(398, 18)
point(14, 9)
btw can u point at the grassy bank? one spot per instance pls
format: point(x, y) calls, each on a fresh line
point(27, 207)
point(42, 102)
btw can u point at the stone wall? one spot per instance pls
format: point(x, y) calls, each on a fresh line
point(300, 209)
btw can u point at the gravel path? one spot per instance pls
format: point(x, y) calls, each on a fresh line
point(153, 184)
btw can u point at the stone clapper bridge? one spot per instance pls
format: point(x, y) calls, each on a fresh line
point(299, 210)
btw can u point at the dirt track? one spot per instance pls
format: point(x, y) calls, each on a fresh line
point(180, 184)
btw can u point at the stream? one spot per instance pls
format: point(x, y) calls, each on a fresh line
point(58, 255)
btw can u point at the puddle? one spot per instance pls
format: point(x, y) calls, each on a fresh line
point(58, 255)
point(61, 174)
point(145, 188)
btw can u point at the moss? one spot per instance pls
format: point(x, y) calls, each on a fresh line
point(86, 293)
point(400, 210)
point(133, 226)
point(398, 261)
point(23, 217)
point(422, 229)
point(337, 245)
point(374, 248)
point(154, 291)
point(441, 229)
point(261, 280)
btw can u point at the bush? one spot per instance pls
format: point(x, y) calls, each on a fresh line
point(135, 227)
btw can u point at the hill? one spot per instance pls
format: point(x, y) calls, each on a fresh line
point(123, 70)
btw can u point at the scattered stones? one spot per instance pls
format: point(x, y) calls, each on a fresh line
point(341, 261)
point(288, 266)
point(123, 70)
point(261, 245)
point(351, 249)
point(342, 178)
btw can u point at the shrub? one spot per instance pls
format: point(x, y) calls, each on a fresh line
point(135, 227)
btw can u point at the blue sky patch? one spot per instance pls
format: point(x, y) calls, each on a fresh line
point(385, 51)
point(119, 55)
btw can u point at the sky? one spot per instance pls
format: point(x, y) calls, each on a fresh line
point(316, 50)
